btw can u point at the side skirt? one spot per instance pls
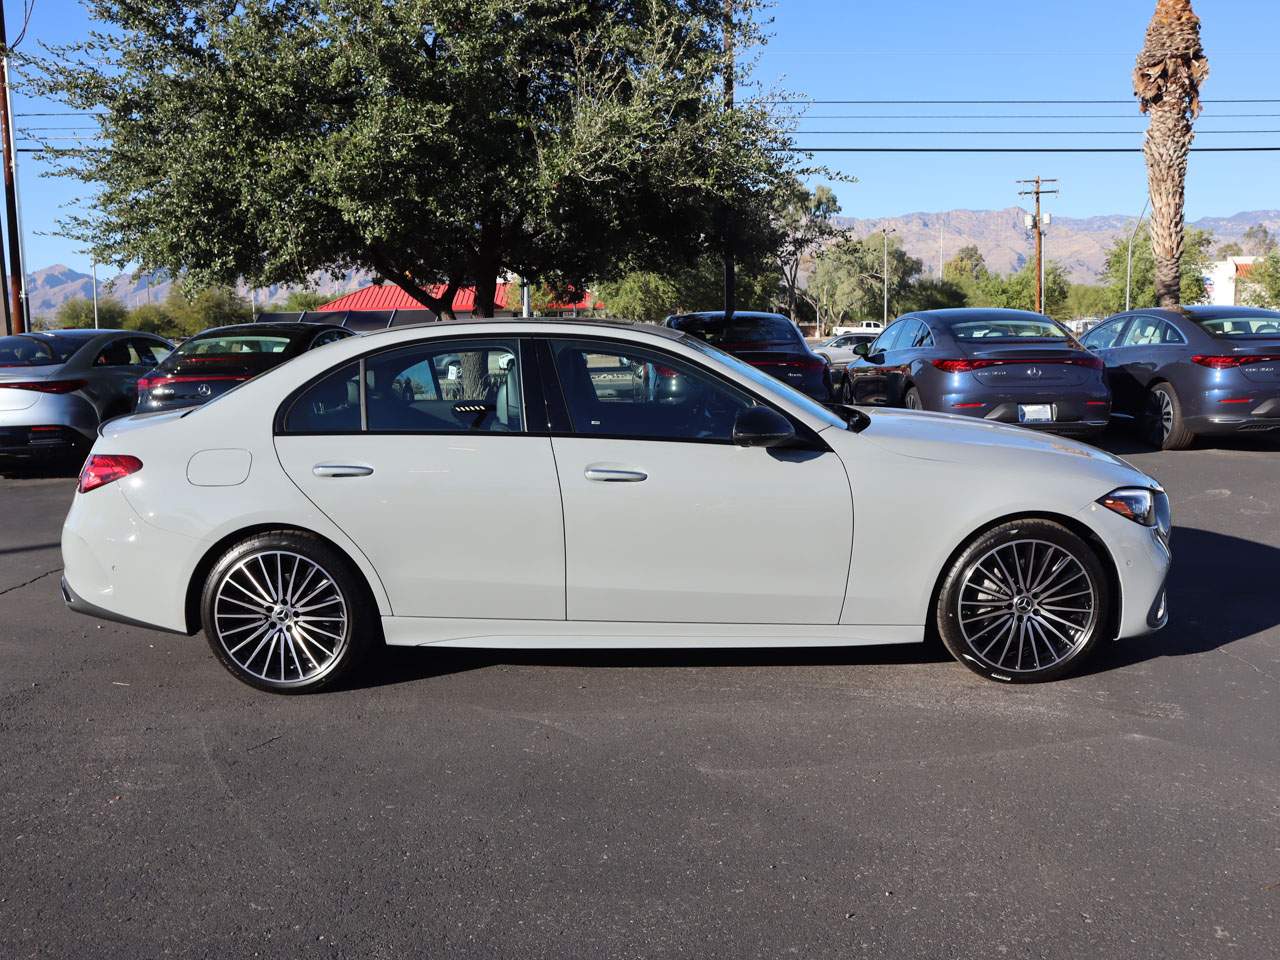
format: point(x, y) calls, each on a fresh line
point(570, 634)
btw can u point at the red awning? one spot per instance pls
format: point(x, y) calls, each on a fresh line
point(388, 296)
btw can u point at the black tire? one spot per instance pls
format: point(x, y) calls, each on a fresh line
point(911, 399)
point(1035, 561)
point(846, 389)
point(1162, 424)
point(310, 599)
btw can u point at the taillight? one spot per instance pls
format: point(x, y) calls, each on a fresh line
point(1225, 363)
point(150, 383)
point(45, 386)
point(965, 366)
point(104, 468)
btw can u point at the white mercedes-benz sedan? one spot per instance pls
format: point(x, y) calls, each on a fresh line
point(525, 483)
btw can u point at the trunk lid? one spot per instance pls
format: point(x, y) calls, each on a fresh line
point(1031, 365)
point(198, 379)
point(15, 398)
point(1260, 360)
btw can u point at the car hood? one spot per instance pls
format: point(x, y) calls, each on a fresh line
point(950, 438)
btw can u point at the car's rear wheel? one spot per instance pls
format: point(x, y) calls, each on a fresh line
point(912, 399)
point(1025, 602)
point(1163, 424)
point(284, 611)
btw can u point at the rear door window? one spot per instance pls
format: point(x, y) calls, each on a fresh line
point(459, 387)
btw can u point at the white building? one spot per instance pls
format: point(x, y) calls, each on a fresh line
point(1224, 283)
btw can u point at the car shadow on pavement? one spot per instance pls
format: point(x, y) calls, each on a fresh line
point(1221, 589)
point(408, 664)
point(40, 470)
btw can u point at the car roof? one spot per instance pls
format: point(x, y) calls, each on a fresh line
point(534, 322)
point(719, 314)
point(978, 313)
point(82, 333)
point(267, 329)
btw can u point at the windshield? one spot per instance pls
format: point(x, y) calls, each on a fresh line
point(770, 384)
point(1001, 328)
point(25, 351)
point(741, 330)
point(1251, 326)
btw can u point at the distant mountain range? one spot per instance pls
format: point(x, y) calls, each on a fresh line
point(1078, 244)
point(50, 287)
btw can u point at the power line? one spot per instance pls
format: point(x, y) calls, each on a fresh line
point(926, 103)
point(1012, 116)
point(1012, 149)
point(1005, 133)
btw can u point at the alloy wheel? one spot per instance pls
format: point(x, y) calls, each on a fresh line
point(1025, 606)
point(1159, 417)
point(281, 617)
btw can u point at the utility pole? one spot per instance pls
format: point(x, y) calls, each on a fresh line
point(1037, 225)
point(95, 293)
point(16, 306)
point(730, 279)
point(886, 231)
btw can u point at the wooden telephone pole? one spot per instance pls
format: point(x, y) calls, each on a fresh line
point(16, 311)
point(1037, 224)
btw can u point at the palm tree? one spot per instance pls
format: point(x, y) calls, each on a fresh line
point(1166, 81)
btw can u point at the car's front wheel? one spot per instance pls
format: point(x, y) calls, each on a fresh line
point(1025, 602)
point(284, 611)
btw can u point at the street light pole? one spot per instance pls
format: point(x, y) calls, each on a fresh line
point(886, 231)
point(95, 293)
point(1128, 271)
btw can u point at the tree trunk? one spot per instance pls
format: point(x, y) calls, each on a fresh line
point(1168, 142)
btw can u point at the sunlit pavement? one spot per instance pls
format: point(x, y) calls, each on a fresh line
point(726, 804)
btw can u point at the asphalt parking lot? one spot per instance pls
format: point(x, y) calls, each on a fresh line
point(812, 804)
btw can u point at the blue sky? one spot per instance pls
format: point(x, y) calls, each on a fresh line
point(932, 50)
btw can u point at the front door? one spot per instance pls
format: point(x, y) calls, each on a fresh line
point(424, 462)
point(666, 520)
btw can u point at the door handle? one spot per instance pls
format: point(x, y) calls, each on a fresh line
point(613, 475)
point(341, 470)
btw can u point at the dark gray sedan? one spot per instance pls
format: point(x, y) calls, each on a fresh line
point(1008, 366)
point(1192, 371)
point(57, 386)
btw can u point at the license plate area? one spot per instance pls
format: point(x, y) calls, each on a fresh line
point(1035, 413)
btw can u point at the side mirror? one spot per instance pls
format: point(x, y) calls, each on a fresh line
point(762, 427)
point(861, 349)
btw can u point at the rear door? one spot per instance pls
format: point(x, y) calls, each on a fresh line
point(1148, 343)
point(422, 456)
point(666, 520)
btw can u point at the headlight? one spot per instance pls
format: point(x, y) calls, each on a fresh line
point(1141, 505)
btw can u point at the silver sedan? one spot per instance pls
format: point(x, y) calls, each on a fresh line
point(58, 386)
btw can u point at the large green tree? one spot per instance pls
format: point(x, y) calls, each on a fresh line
point(1263, 286)
point(1192, 267)
point(427, 141)
point(848, 280)
point(807, 225)
point(1017, 291)
point(77, 313)
point(648, 297)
